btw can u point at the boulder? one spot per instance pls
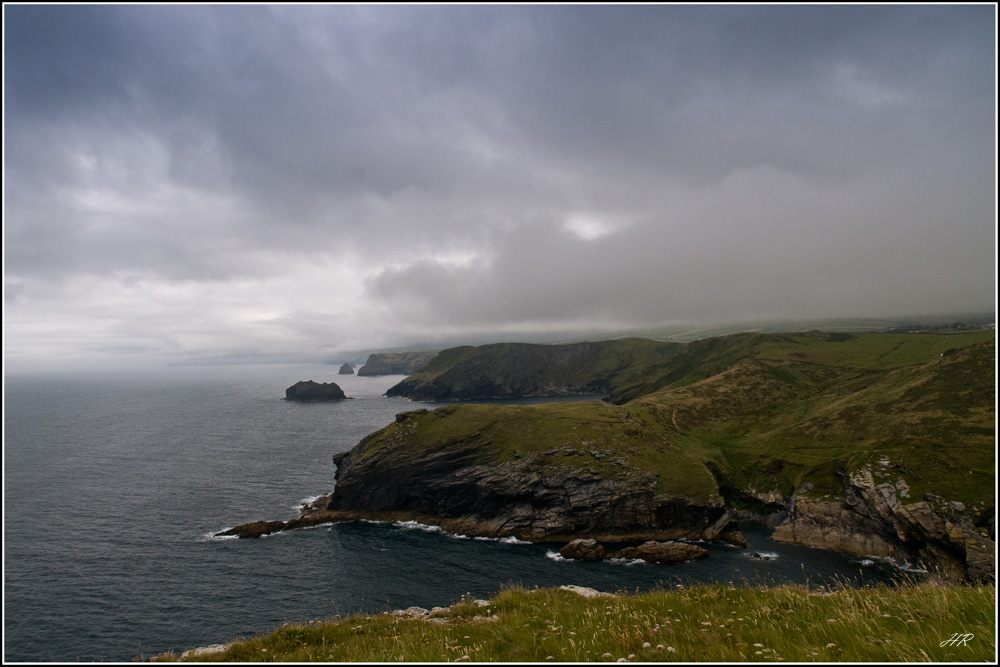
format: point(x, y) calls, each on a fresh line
point(587, 550)
point(734, 537)
point(663, 552)
point(314, 391)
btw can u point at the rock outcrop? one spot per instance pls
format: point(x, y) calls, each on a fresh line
point(663, 552)
point(307, 390)
point(650, 551)
point(585, 550)
point(346, 369)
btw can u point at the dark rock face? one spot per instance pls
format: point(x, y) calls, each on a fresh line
point(873, 520)
point(346, 369)
point(314, 391)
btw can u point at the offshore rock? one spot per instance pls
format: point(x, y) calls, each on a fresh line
point(586, 550)
point(734, 537)
point(308, 390)
point(663, 552)
point(346, 369)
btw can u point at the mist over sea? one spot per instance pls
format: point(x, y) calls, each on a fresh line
point(114, 484)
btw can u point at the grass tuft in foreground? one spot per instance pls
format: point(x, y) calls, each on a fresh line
point(709, 623)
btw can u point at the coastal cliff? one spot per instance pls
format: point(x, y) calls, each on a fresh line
point(876, 444)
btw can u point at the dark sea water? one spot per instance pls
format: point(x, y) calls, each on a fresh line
point(114, 484)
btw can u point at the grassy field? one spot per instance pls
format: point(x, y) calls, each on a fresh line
point(712, 623)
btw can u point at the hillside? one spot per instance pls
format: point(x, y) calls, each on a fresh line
point(396, 363)
point(523, 369)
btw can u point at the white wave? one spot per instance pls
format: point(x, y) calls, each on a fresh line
point(216, 536)
point(306, 502)
point(866, 562)
point(628, 562)
point(905, 567)
point(556, 556)
point(510, 539)
point(414, 525)
point(318, 525)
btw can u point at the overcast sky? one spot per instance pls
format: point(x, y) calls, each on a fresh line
point(193, 181)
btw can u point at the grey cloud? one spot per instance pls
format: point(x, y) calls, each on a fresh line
point(737, 160)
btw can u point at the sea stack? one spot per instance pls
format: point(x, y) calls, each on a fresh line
point(314, 391)
point(346, 369)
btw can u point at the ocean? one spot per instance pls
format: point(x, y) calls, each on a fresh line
point(116, 482)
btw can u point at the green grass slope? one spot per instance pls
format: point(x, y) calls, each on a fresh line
point(715, 623)
point(798, 408)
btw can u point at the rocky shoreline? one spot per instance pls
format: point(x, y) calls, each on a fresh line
point(873, 522)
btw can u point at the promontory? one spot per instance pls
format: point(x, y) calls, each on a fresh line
point(875, 444)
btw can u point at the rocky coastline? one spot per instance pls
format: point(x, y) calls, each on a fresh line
point(890, 458)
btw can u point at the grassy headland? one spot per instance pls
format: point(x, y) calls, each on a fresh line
point(709, 623)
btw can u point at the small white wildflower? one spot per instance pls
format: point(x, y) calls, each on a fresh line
point(659, 647)
point(759, 645)
point(646, 644)
point(830, 645)
point(756, 652)
point(671, 649)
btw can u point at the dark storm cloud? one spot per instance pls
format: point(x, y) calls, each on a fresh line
point(319, 174)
